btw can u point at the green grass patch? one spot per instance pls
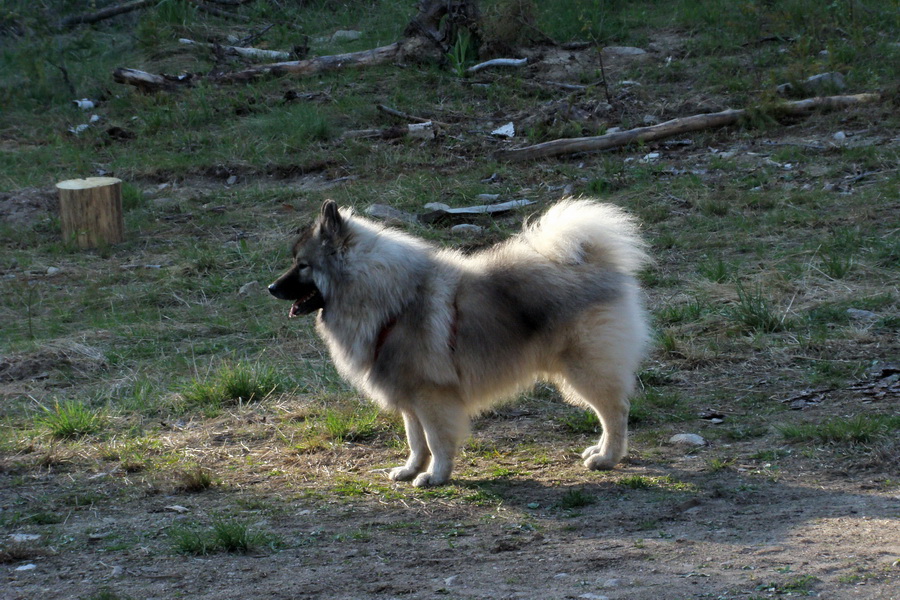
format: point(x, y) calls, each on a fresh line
point(860, 429)
point(223, 534)
point(238, 382)
point(576, 498)
point(71, 419)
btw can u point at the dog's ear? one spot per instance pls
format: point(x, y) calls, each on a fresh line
point(330, 219)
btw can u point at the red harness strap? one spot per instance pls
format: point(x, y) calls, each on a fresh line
point(389, 326)
point(383, 336)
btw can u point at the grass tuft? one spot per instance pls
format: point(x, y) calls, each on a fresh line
point(860, 429)
point(754, 312)
point(233, 382)
point(223, 535)
point(71, 419)
point(576, 499)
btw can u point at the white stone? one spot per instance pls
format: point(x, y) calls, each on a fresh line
point(687, 439)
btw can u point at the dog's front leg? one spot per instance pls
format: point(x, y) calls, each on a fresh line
point(445, 424)
point(418, 450)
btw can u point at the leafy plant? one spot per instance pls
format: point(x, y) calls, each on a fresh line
point(462, 53)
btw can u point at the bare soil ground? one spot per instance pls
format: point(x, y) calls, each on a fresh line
point(746, 516)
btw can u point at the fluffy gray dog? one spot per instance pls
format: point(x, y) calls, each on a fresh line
point(439, 335)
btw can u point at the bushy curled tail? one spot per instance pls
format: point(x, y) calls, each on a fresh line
point(583, 231)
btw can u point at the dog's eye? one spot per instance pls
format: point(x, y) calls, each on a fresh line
point(302, 266)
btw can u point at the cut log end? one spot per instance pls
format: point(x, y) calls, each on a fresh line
point(90, 211)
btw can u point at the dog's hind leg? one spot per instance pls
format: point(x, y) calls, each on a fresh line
point(608, 396)
point(418, 450)
point(445, 424)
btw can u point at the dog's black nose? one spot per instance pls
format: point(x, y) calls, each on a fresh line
point(273, 289)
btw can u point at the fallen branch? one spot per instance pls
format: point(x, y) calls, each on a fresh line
point(241, 51)
point(674, 127)
point(318, 64)
point(435, 18)
point(406, 116)
point(415, 130)
point(440, 211)
point(105, 13)
point(498, 62)
point(149, 82)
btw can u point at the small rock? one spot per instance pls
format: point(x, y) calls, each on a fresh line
point(506, 131)
point(816, 83)
point(466, 229)
point(53, 270)
point(687, 439)
point(177, 508)
point(624, 51)
point(653, 156)
point(345, 35)
point(533, 505)
point(21, 538)
point(450, 580)
point(231, 180)
point(117, 571)
point(857, 314)
point(248, 288)
point(84, 104)
point(650, 119)
point(590, 596)
point(28, 567)
point(389, 213)
point(488, 198)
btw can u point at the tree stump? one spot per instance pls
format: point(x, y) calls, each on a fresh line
point(90, 211)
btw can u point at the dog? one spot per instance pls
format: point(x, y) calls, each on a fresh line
point(439, 335)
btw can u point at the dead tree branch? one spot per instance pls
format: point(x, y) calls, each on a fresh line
point(105, 13)
point(675, 127)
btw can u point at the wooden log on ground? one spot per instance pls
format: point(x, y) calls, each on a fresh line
point(90, 211)
point(150, 82)
point(318, 64)
point(105, 13)
point(675, 127)
point(255, 53)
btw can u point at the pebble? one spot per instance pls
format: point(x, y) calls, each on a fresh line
point(24, 537)
point(466, 229)
point(687, 439)
point(857, 314)
point(248, 288)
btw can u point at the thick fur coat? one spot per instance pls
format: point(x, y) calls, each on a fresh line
point(439, 335)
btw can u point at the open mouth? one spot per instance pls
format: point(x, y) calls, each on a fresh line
point(303, 306)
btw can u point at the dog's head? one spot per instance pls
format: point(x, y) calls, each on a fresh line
point(316, 263)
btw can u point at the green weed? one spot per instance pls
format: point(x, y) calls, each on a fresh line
point(576, 498)
point(223, 535)
point(860, 429)
point(233, 382)
point(71, 419)
point(754, 312)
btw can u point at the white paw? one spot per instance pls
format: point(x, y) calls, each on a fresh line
point(590, 451)
point(428, 480)
point(600, 462)
point(402, 474)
